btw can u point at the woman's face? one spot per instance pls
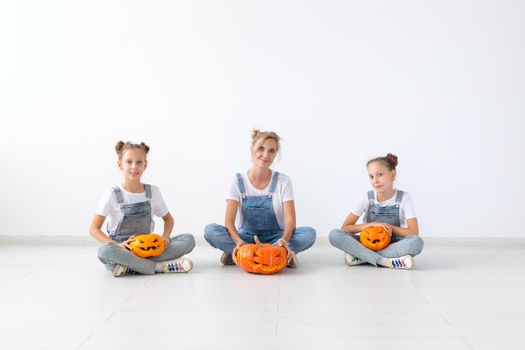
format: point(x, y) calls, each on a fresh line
point(381, 178)
point(133, 164)
point(263, 154)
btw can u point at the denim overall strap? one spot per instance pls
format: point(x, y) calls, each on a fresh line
point(273, 185)
point(399, 197)
point(371, 199)
point(118, 194)
point(388, 214)
point(258, 213)
point(137, 218)
point(240, 182)
point(147, 191)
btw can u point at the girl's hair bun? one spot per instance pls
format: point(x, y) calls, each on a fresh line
point(122, 147)
point(118, 146)
point(146, 147)
point(392, 159)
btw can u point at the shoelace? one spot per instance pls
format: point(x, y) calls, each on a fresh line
point(397, 263)
point(175, 267)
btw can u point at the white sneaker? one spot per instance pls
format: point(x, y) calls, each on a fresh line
point(177, 265)
point(120, 270)
point(351, 260)
point(405, 262)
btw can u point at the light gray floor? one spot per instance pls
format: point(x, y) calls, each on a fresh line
point(463, 294)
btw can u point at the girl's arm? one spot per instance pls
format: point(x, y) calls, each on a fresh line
point(350, 226)
point(168, 227)
point(95, 229)
point(229, 221)
point(411, 230)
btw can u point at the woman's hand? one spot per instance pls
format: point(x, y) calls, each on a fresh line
point(234, 252)
point(283, 243)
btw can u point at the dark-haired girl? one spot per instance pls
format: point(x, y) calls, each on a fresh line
point(129, 209)
point(383, 206)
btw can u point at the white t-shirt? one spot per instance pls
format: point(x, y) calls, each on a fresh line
point(406, 207)
point(283, 193)
point(109, 207)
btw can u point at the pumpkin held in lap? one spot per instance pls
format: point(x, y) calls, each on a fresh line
point(261, 258)
point(375, 238)
point(147, 245)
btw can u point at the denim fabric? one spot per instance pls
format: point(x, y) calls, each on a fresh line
point(111, 254)
point(349, 243)
point(257, 211)
point(258, 220)
point(218, 237)
point(137, 217)
point(399, 246)
point(389, 214)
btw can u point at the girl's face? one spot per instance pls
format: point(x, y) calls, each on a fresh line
point(381, 177)
point(133, 164)
point(264, 153)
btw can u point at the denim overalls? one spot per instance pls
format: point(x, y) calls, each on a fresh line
point(399, 246)
point(137, 220)
point(258, 219)
point(389, 214)
point(257, 211)
point(137, 217)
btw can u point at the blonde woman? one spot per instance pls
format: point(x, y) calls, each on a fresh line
point(260, 202)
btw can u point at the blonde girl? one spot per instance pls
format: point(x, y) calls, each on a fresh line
point(129, 209)
point(383, 206)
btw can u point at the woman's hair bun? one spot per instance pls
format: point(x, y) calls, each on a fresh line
point(255, 132)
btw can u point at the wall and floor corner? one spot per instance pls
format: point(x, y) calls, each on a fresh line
point(439, 83)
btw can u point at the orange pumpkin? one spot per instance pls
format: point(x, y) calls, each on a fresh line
point(375, 238)
point(147, 245)
point(261, 258)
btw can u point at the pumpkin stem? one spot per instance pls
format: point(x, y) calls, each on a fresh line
point(259, 244)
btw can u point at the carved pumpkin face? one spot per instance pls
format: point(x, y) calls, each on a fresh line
point(261, 258)
point(375, 238)
point(147, 245)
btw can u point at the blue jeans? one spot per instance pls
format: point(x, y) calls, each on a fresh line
point(111, 254)
point(218, 237)
point(349, 243)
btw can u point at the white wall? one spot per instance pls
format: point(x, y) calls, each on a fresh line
point(439, 83)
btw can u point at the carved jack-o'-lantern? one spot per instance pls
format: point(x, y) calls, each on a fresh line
point(147, 245)
point(261, 258)
point(375, 238)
